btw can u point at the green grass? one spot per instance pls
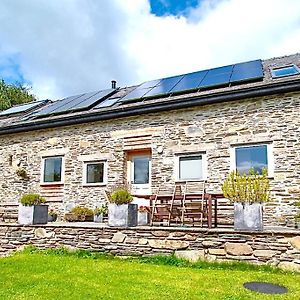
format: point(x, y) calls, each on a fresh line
point(56, 274)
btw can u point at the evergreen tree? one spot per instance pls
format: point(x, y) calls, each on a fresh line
point(13, 94)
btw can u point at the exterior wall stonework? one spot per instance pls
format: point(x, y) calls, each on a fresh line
point(211, 128)
point(278, 248)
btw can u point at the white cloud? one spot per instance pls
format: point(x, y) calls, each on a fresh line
point(72, 46)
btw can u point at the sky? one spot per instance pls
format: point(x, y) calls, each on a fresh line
point(67, 47)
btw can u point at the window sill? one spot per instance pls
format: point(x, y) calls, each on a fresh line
point(190, 180)
point(51, 183)
point(93, 184)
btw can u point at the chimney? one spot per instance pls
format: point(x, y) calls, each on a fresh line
point(113, 84)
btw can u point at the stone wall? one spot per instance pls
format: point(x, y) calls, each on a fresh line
point(209, 128)
point(279, 248)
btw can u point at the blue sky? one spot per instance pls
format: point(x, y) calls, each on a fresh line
point(64, 47)
point(169, 7)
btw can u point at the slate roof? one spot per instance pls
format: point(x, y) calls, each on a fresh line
point(268, 85)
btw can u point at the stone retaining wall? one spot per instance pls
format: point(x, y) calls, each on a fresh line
point(275, 247)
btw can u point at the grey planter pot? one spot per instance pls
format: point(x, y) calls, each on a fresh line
point(124, 215)
point(98, 218)
point(143, 218)
point(248, 216)
point(36, 214)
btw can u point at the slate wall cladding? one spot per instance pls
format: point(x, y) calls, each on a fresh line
point(209, 128)
point(279, 248)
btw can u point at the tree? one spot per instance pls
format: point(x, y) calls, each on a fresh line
point(12, 94)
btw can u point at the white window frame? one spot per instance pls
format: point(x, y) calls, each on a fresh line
point(62, 170)
point(204, 166)
point(270, 156)
point(84, 173)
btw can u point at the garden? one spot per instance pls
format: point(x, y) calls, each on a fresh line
point(60, 274)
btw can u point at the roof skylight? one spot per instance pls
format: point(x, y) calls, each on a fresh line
point(285, 71)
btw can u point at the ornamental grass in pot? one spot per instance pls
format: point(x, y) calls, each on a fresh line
point(248, 192)
point(32, 209)
point(121, 212)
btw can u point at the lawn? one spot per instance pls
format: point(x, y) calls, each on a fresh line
point(49, 275)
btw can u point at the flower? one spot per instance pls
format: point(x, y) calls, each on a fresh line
point(143, 208)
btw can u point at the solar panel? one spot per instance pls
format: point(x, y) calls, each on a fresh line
point(22, 108)
point(56, 105)
point(108, 102)
point(251, 70)
point(74, 103)
point(189, 81)
point(220, 70)
point(149, 84)
point(217, 80)
point(136, 93)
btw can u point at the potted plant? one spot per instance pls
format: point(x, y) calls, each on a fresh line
point(80, 214)
point(248, 192)
point(21, 172)
point(121, 212)
point(32, 210)
point(99, 212)
point(52, 215)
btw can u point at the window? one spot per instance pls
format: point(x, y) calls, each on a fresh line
point(52, 170)
point(94, 173)
point(257, 157)
point(191, 167)
point(285, 71)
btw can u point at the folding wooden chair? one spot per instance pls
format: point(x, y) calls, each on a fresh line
point(160, 208)
point(194, 206)
point(176, 202)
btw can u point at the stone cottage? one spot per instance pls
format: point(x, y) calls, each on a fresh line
point(195, 126)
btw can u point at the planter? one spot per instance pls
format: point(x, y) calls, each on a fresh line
point(143, 218)
point(124, 215)
point(35, 214)
point(248, 216)
point(70, 217)
point(98, 218)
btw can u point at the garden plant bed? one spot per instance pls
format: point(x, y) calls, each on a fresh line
point(56, 274)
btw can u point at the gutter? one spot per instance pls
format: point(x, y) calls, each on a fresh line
point(146, 108)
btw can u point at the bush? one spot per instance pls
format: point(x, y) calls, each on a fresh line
point(100, 210)
point(247, 188)
point(32, 199)
point(82, 211)
point(121, 196)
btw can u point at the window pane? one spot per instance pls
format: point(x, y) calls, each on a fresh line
point(141, 170)
point(190, 167)
point(255, 157)
point(52, 169)
point(95, 173)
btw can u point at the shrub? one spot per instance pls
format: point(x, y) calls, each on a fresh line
point(82, 211)
point(52, 213)
point(247, 188)
point(100, 210)
point(32, 199)
point(121, 196)
point(21, 172)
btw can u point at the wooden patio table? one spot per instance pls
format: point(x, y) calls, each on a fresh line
point(212, 201)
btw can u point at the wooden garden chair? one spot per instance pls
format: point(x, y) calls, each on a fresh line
point(194, 206)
